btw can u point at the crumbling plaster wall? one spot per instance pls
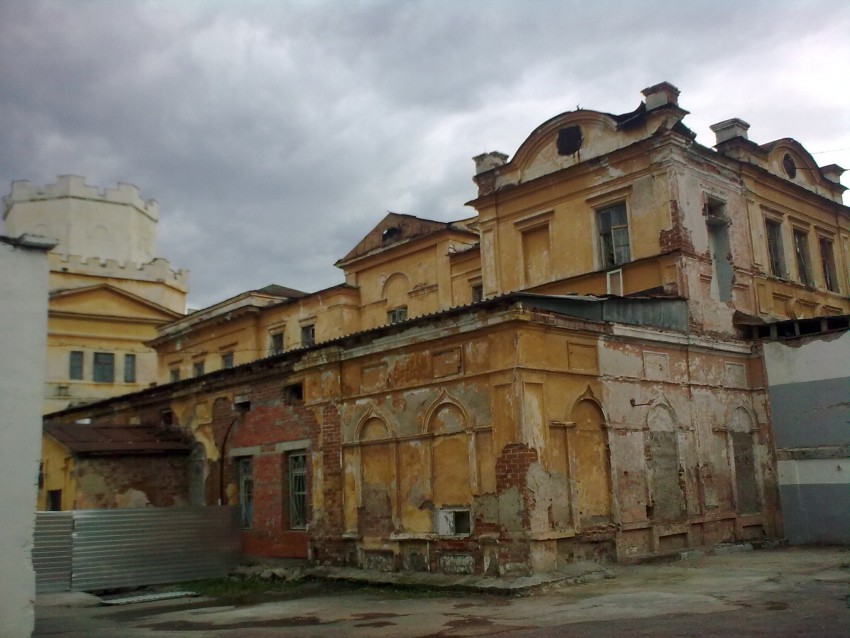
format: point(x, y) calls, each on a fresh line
point(130, 481)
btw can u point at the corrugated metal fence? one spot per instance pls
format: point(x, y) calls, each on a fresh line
point(89, 550)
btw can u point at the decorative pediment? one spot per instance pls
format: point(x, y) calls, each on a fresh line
point(104, 300)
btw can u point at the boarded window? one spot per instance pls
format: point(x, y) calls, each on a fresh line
point(535, 251)
point(749, 497)
point(668, 503)
point(592, 465)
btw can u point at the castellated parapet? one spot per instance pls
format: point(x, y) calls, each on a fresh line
point(157, 271)
point(112, 223)
point(76, 187)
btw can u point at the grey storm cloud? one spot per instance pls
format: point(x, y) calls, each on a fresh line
point(275, 134)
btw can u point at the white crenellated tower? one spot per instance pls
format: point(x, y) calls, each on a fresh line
point(108, 289)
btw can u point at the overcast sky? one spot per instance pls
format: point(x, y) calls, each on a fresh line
point(274, 135)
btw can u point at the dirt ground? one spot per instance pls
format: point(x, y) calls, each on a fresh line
point(777, 592)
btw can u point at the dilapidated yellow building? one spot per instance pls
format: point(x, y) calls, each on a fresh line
point(573, 373)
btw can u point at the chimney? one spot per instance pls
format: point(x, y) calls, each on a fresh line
point(489, 161)
point(660, 95)
point(730, 129)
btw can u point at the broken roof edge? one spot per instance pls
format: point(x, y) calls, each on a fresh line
point(667, 313)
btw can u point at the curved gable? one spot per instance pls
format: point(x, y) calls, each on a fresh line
point(788, 159)
point(565, 140)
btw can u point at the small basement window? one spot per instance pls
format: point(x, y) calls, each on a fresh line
point(454, 522)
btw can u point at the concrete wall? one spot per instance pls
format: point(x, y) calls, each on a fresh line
point(809, 382)
point(23, 315)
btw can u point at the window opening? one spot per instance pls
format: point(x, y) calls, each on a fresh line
point(198, 368)
point(293, 394)
point(801, 252)
point(827, 255)
point(129, 368)
point(397, 315)
point(227, 360)
point(103, 370)
point(246, 492)
point(54, 500)
point(613, 226)
point(277, 343)
point(308, 335)
point(477, 293)
point(297, 490)
point(454, 522)
point(75, 365)
point(774, 248)
point(717, 224)
point(174, 375)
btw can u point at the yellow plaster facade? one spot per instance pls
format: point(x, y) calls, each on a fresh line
point(108, 291)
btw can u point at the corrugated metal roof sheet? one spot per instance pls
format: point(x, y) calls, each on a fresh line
point(114, 439)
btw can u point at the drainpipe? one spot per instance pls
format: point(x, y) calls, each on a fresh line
point(242, 405)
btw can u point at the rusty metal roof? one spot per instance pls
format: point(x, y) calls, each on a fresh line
point(111, 439)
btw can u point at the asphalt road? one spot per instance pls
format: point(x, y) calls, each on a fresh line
point(778, 592)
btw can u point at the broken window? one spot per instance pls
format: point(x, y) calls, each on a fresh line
point(397, 315)
point(391, 234)
point(827, 255)
point(104, 367)
point(774, 247)
point(801, 252)
point(297, 462)
point(569, 140)
point(246, 492)
point(613, 226)
point(454, 522)
point(308, 335)
point(293, 394)
point(717, 224)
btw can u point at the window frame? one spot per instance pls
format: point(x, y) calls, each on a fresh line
point(101, 371)
point(830, 272)
point(130, 368)
point(296, 471)
point(308, 335)
point(245, 469)
point(76, 365)
point(775, 247)
point(397, 315)
point(174, 374)
point(198, 368)
point(274, 347)
point(609, 235)
point(228, 360)
point(802, 256)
